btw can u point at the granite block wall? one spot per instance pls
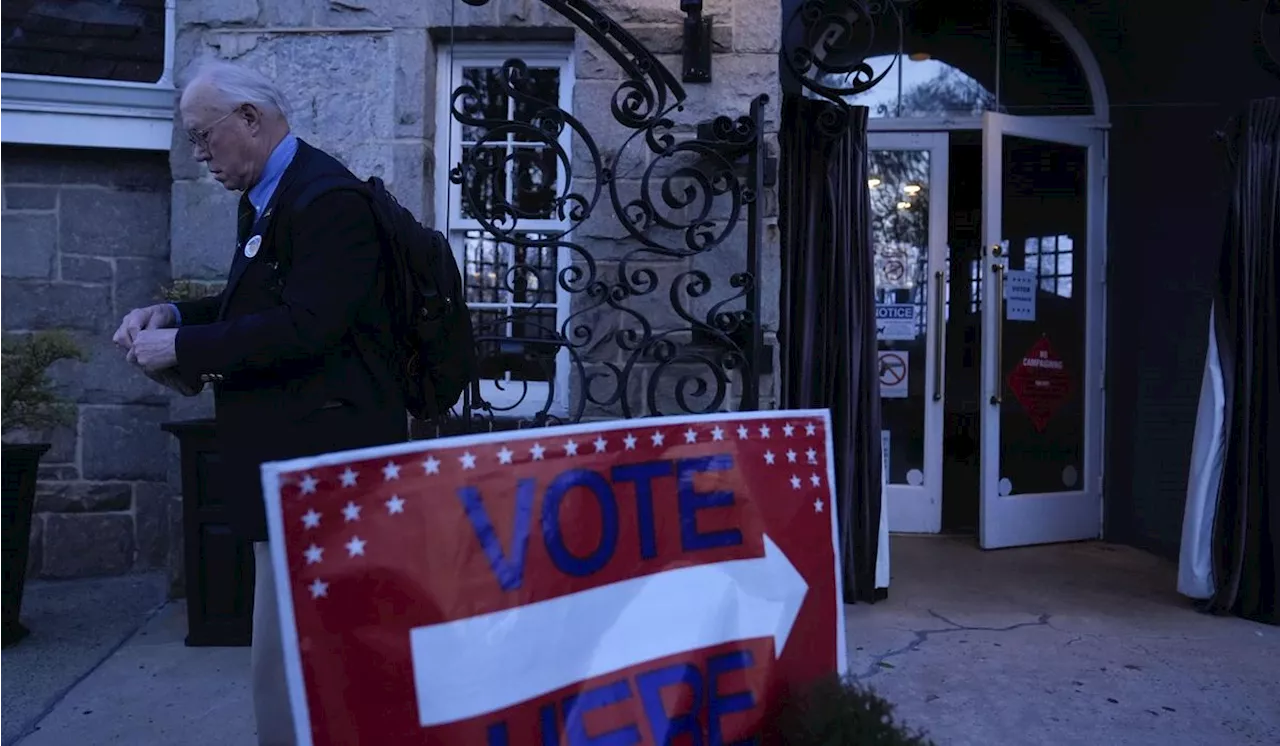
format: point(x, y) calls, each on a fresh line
point(86, 238)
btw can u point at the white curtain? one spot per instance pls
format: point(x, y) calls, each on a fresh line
point(1195, 560)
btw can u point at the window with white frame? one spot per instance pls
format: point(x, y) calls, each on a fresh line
point(1051, 257)
point(512, 287)
point(90, 73)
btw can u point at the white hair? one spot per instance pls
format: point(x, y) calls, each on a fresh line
point(237, 84)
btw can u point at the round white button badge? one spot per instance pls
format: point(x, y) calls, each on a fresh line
point(251, 246)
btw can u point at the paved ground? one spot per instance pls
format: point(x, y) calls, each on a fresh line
point(1077, 644)
point(1070, 644)
point(74, 626)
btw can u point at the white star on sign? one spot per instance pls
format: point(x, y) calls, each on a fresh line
point(311, 519)
point(791, 456)
point(810, 429)
point(351, 512)
point(817, 506)
point(629, 442)
point(319, 588)
point(764, 431)
point(657, 438)
point(537, 451)
point(431, 465)
point(815, 480)
point(601, 444)
point(788, 429)
point(349, 478)
point(309, 484)
point(314, 554)
point(690, 436)
point(504, 456)
point(391, 471)
point(743, 432)
point(717, 433)
point(468, 460)
point(571, 448)
point(812, 455)
point(395, 505)
point(795, 482)
point(768, 457)
point(356, 546)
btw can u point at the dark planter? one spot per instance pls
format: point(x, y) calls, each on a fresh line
point(217, 565)
point(21, 466)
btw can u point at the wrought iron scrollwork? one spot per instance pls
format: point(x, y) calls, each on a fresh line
point(826, 44)
point(645, 327)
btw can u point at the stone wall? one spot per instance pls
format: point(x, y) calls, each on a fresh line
point(86, 238)
point(361, 79)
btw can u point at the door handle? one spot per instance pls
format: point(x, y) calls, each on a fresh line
point(938, 330)
point(997, 270)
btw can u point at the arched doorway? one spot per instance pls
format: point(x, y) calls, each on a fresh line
point(988, 177)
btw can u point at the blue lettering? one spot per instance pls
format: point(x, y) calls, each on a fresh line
point(576, 706)
point(643, 475)
point(508, 571)
point(497, 732)
point(665, 728)
point(553, 536)
point(691, 501)
point(719, 705)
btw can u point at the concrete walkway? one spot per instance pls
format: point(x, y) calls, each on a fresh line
point(1075, 644)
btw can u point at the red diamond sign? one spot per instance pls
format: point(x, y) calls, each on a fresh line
point(1041, 383)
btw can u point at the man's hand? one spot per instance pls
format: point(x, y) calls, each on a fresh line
point(153, 349)
point(159, 316)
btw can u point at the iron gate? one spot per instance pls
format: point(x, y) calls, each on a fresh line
point(632, 324)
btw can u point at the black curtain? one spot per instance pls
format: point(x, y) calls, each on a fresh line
point(827, 328)
point(1246, 532)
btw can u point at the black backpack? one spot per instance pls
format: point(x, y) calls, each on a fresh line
point(431, 321)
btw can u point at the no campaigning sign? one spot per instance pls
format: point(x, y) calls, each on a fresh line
point(631, 582)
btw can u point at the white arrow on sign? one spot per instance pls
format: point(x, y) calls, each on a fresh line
point(473, 666)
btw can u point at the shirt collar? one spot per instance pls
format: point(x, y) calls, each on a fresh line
point(260, 194)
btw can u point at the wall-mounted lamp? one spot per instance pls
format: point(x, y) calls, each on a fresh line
point(697, 43)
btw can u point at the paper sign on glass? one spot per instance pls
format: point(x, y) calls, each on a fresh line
point(1020, 295)
point(645, 578)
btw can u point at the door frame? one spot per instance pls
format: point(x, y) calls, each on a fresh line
point(996, 512)
point(918, 508)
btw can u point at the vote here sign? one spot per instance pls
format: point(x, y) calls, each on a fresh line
point(648, 581)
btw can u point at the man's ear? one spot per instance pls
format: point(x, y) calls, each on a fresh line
point(252, 117)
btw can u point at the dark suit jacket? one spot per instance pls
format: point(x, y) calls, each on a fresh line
point(299, 351)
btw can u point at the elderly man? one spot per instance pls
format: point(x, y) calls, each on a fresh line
point(298, 346)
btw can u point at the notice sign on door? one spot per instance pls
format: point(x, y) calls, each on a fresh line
point(1020, 295)
point(639, 582)
point(896, 321)
point(893, 374)
point(1041, 383)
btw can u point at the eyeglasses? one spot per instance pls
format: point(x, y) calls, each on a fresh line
point(200, 138)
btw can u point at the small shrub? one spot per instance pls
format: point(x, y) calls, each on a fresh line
point(26, 393)
point(842, 712)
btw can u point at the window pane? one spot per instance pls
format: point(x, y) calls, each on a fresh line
point(536, 171)
point(485, 185)
point(543, 84)
point(516, 346)
point(97, 39)
point(534, 281)
point(490, 101)
point(500, 272)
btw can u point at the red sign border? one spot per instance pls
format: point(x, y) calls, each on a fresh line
point(271, 483)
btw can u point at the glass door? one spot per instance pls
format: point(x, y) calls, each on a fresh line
point(1042, 332)
point(907, 176)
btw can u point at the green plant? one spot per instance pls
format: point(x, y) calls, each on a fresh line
point(841, 712)
point(29, 401)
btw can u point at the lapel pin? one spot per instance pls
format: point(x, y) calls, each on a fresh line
point(251, 246)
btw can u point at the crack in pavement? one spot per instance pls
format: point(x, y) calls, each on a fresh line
point(922, 636)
